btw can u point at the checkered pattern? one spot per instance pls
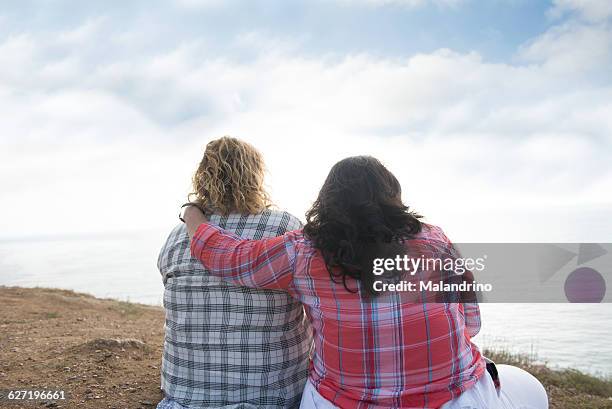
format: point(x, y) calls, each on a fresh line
point(167, 403)
point(376, 353)
point(228, 346)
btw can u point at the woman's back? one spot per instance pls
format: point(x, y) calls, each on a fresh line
point(385, 350)
point(227, 345)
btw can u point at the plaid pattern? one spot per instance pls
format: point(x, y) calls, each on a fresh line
point(381, 353)
point(167, 403)
point(228, 346)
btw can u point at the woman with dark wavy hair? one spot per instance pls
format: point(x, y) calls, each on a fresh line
point(359, 216)
point(372, 350)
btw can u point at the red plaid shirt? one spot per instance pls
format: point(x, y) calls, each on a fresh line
point(374, 354)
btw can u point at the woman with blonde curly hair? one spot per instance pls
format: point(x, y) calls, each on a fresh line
point(229, 346)
point(230, 178)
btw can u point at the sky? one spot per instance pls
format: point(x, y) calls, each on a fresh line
point(496, 116)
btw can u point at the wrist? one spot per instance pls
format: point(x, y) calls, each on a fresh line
point(188, 209)
point(193, 217)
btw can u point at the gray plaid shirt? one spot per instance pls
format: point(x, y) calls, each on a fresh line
point(229, 346)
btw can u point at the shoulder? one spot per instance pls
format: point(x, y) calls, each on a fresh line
point(283, 219)
point(175, 249)
point(177, 235)
point(432, 232)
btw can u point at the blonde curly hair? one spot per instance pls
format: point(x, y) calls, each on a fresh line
point(230, 178)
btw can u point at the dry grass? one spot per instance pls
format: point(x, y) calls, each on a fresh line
point(568, 388)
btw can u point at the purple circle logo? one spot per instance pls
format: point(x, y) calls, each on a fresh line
point(585, 285)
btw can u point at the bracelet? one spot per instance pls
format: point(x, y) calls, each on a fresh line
point(187, 205)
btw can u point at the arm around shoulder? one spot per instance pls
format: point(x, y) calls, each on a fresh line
point(266, 263)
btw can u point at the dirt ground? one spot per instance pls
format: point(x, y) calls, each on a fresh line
point(106, 354)
point(102, 353)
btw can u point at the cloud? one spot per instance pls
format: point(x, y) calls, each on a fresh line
point(591, 10)
point(572, 48)
point(122, 132)
point(82, 34)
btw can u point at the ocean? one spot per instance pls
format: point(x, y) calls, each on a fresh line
point(123, 266)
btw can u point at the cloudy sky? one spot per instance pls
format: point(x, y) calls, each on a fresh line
point(495, 115)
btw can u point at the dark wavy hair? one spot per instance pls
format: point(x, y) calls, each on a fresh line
point(357, 217)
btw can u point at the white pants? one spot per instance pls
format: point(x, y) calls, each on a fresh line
point(519, 390)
